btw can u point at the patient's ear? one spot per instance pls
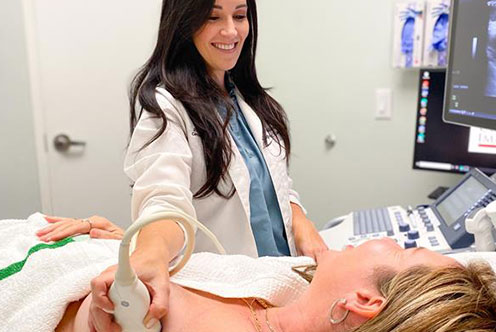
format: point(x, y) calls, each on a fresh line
point(365, 303)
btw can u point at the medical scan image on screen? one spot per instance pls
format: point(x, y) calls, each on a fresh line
point(472, 89)
point(461, 200)
point(491, 51)
point(445, 147)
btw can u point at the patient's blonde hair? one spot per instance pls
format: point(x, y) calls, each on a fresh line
point(424, 299)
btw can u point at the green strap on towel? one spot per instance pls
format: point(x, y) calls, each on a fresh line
point(17, 267)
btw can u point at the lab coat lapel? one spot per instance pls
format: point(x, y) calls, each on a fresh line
point(240, 177)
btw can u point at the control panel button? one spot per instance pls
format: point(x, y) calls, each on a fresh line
point(413, 234)
point(404, 227)
point(410, 244)
point(429, 227)
point(434, 242)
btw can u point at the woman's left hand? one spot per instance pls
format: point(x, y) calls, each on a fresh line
point(97, 227)
point(307, 239)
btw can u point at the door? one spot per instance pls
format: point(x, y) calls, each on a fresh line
point(83, 57)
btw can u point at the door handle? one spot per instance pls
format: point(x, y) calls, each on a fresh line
point(62, 143)
point(330, 141)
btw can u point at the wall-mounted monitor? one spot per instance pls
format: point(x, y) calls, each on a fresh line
point(445, 147)
point(470, 97)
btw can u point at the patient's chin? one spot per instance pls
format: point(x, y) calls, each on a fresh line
point(68, 321)
point(80, 318)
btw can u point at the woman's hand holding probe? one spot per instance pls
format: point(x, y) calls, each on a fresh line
point(157, 244)
point(97, 227)
point(152, 271)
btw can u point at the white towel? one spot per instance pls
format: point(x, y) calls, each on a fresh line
point(236, 276)
point(35, 298)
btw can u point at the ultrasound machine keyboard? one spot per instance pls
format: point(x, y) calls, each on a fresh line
point(410, 229)
point(372, 221)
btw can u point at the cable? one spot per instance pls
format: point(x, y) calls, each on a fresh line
point(129, 295)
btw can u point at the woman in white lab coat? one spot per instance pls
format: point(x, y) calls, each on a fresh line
point(207, 139)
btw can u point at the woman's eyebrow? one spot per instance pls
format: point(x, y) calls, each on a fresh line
point(237, 7)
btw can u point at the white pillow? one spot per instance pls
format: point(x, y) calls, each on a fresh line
point(466, 257)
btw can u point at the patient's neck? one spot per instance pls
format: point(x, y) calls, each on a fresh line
point(309, 313)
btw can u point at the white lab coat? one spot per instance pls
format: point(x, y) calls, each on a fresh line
point(168, 172)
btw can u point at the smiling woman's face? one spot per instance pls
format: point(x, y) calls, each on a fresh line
point(221, 38)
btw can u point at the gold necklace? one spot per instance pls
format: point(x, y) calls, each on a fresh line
point(258, 325)
point(256, 322)
point(266, 307)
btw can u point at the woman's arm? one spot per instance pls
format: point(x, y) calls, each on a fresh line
point(165, 238)
point(161, 176)
point(308, 240)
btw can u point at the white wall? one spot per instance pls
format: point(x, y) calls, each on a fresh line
point(325, 58)
point(19, 187)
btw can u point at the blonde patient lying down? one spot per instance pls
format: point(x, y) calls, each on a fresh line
point(374, 287)
point(377, 286)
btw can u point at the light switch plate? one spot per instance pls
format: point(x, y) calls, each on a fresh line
point(383, 108)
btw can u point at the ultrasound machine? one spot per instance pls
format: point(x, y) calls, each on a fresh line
point(439, 146)
point(439, 226)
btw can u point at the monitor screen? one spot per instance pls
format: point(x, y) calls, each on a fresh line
point(460, 200)
point(446, 147)
point(471, 83)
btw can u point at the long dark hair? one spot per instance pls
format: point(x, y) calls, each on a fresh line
point(177, 66)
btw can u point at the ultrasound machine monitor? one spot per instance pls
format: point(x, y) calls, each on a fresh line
point(445, 147)
point(471, 83)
